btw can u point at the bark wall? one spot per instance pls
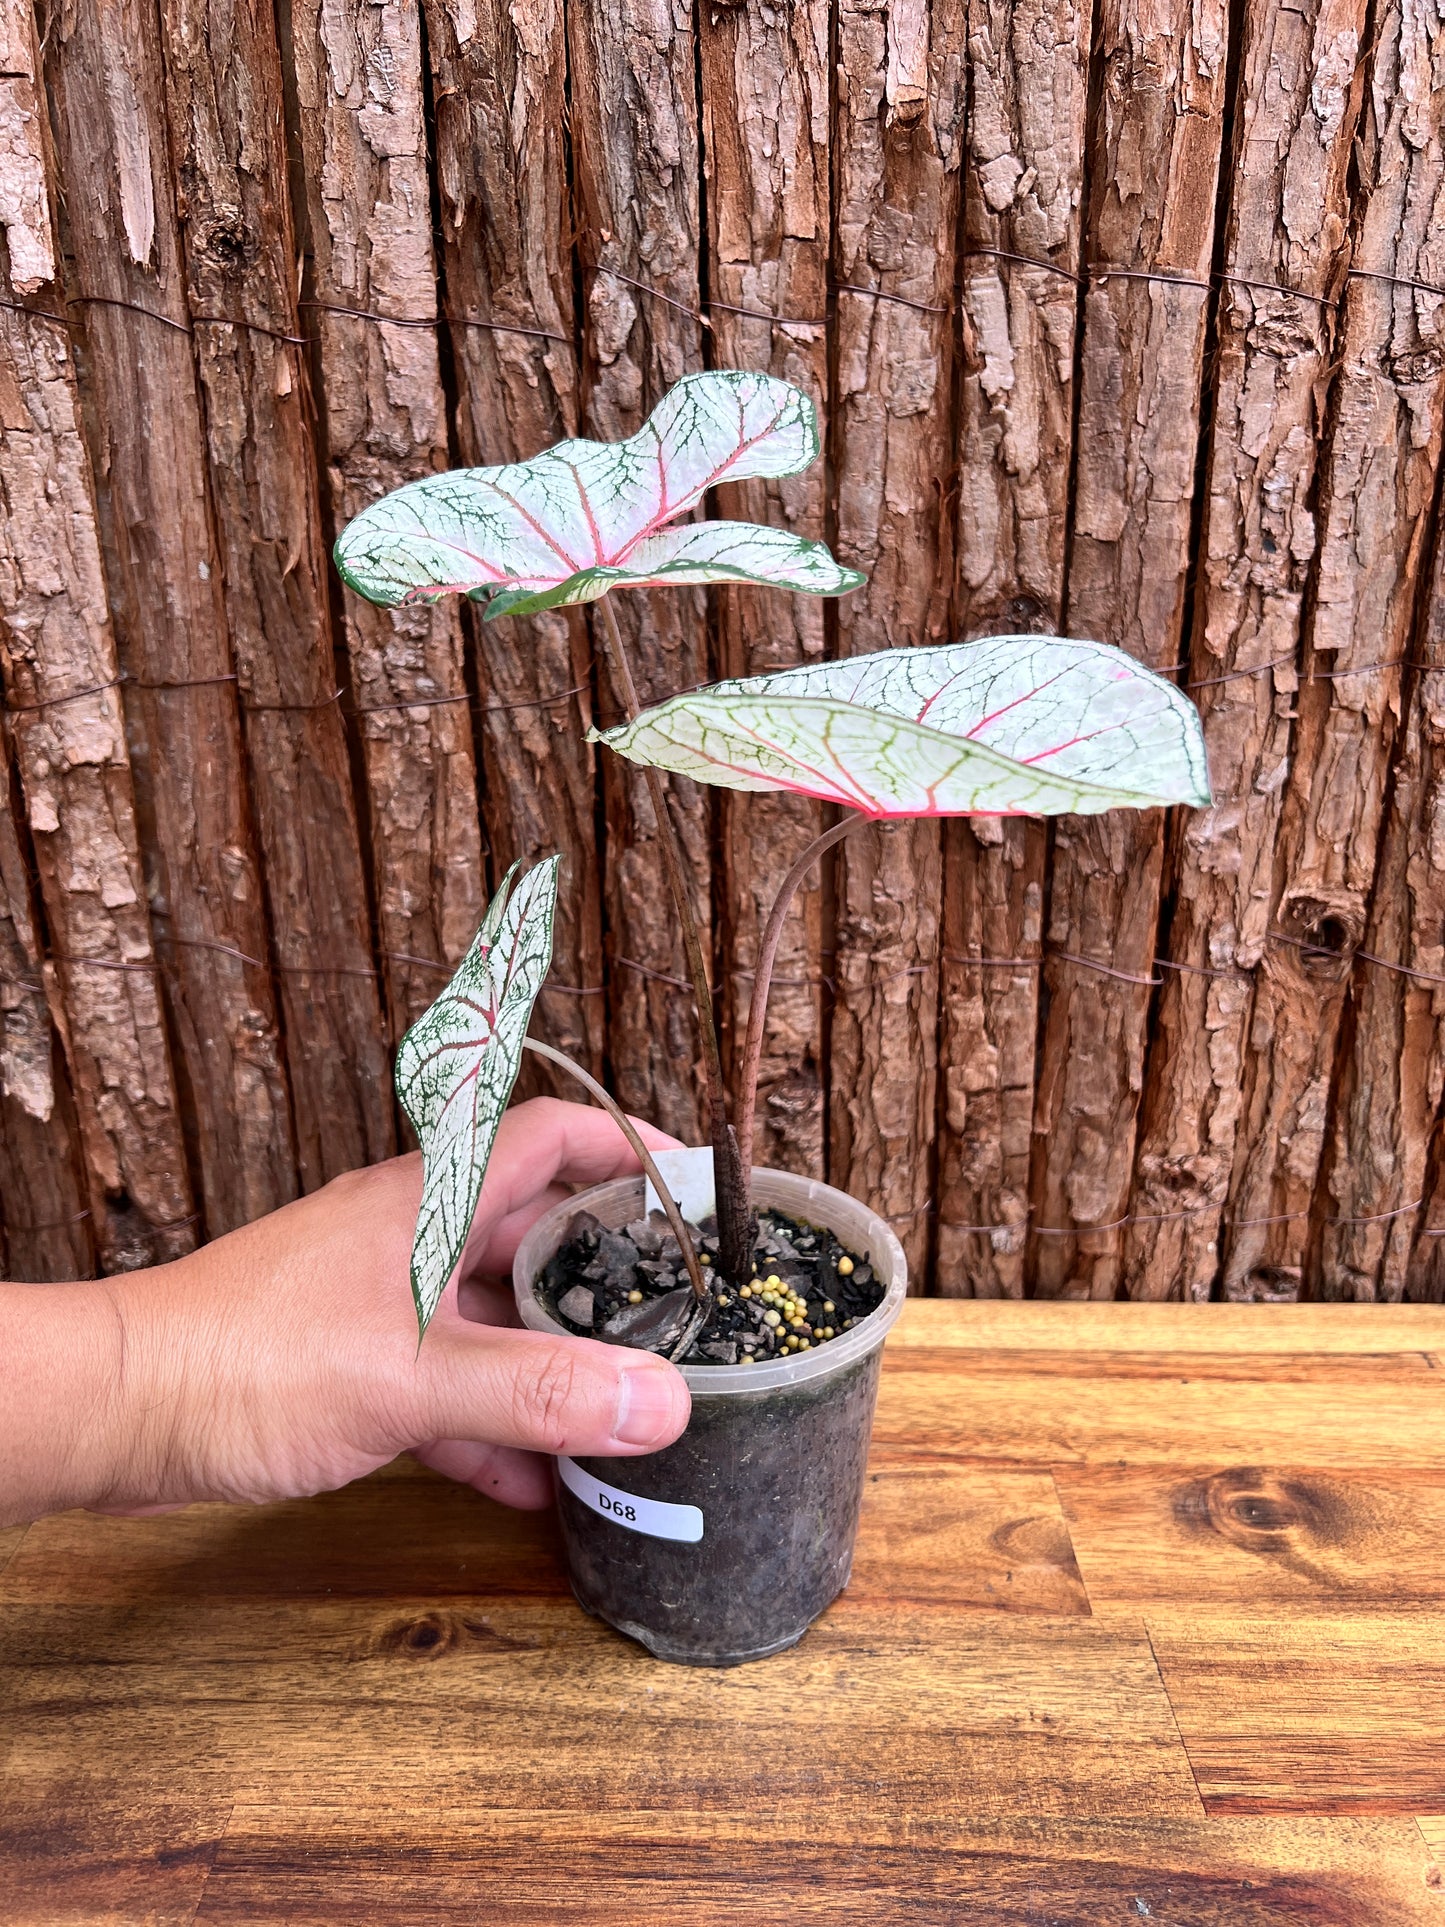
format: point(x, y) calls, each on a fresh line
point(1123, 317)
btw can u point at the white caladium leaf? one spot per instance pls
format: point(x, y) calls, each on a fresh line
point(1007, 726)
point(583, 517)
point(457, 1065)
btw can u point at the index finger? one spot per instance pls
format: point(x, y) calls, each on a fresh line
point(546, 1141)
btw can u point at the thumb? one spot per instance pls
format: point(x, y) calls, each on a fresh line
point(547, 1394)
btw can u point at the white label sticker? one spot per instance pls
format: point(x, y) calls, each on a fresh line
point(689, 1177)
point(653, 1516)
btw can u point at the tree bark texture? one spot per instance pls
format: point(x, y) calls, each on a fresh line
point(1377, 491)
point(1286, 229)
point(67, 738)
point(1078, 369)
point(897, 165)
point(368, 221)
point(766, 140)
point(203, 872)
point(1022, 210)
point(227, 137)
point(636, 158)
point(1404, 1100)
point(499, 86)
point(44, 1217)
point(1155, 176)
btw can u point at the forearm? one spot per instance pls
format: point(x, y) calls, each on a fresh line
point(65, 1398)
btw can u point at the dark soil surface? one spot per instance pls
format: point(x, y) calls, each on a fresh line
point(629, 1287)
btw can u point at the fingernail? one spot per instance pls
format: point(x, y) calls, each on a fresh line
point(647, 1405)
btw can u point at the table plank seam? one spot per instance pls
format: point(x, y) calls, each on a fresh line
point(220, 1840)
point(1073, 1549)
point(1178, 1730)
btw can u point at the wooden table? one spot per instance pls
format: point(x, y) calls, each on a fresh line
point(1146, 1623)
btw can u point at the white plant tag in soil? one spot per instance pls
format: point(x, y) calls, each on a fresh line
point(689, 1177)
point(655, 1517)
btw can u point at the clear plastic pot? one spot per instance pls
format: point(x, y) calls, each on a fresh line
point(727, 1545)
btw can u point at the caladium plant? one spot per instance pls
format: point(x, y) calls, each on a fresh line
point(585, 517)
point(457, 1065)
point(1007, 725)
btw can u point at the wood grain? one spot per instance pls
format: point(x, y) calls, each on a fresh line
point(363, 157)
point(963, 1535)
point(498, 87)
point(300, 1865)
point(1240, 1331)
point(224, 104)
point(898, 130)
point(766, 147)
point(114, 1861)
point(1089, 1418)
point(1253, 1541)
point(1287, 228)
point(1022, 196)
point(1320, 1713)
point(1116, 1662)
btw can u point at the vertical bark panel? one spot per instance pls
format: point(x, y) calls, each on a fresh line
point(898, 135)
point(765, 107)
point(1406, 1256)
point(1393, 1075)
point(635, 141)
point(203, 875)
point(1377, 490)
point(226, 129)
point(1022, 194)
point(1155, 177)
point(46, 1220)
point(58, 658)
point(1288, 214)
point(368, 202)
point(499, 84)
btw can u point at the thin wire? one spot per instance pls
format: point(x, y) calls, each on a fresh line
point(759, 314)
point(72, 696)
point(1259, 669)
point(903, 300)
point(482, 709)
point(277, 709)
point(1105, 970)
point(1024, 260)
point(657, 294)
point(132, 307)
point(55, 1224)
point(442, 319)
point(1147, 274)
point(659, 976)
point(1396, 281)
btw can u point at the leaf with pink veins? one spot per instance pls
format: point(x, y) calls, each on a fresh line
point(585, 517)
point(1006, 726)
point(457, 1064)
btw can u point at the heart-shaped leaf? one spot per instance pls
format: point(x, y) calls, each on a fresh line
point(1007, 726)
point(457, 1065)
point(583, 517)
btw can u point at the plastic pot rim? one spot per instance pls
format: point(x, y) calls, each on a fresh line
point(806, 1199)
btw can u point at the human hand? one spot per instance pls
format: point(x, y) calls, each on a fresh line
point(282, 1360)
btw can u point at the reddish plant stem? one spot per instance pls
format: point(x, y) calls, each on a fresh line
point(644, 1157)
point(763, 974)
point(734, 1223)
